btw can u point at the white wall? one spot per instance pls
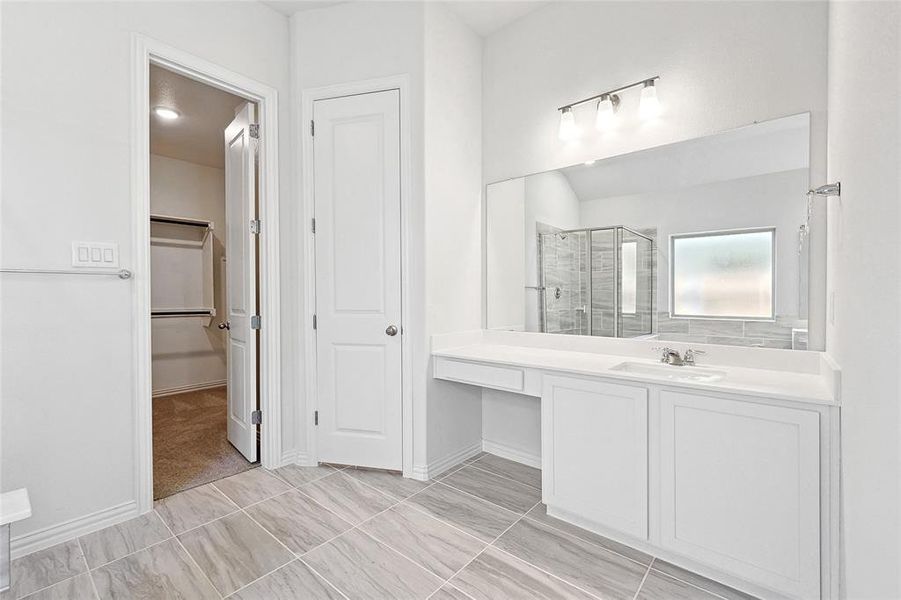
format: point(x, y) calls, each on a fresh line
point(865, 250)
point(68, 431)
point(776, 199)
point(504, 264)
point(453, 211)
point(185, 353)
point(722, 65)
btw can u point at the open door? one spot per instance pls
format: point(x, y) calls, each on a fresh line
point(241, 282)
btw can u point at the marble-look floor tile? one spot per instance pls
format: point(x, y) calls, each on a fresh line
point(711, 586)
point(658, 586)
point(494, 575)
point(505, 493)
point(234, 551)
point(474, 516)
point(298, 476)
point(297, 521)
point(119, 540)
point(393, 484)
point(161, 571)
point(539, 513)
point(438, 547)
point(361, 567)
point(581, 563)
point(79, 587)
point(251, 486)
point(512, 470)
point(350, 499)
point(294, 581)
point(449, 592)
point(46, 567)
point(193, 508)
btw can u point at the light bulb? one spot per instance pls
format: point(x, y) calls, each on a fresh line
point(568, 129)
point(605, 117)
point(169, 114)
point(649, 106)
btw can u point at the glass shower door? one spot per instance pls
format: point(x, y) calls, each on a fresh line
point(564, 277)
point(603, 282)
point(635, 284)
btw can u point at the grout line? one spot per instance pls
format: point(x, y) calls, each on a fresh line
point(694, 585)
point(489, 501)
point(321, 576)
point(643, 579)
point(194, 562)
point(84, 557)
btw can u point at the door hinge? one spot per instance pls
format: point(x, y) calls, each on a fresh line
point(314, 322)
point(255, 226)
point(313, 225)
point(312, 128)
point(254, 130)
point(256, 417)
point(315, 417)
point(255, 322)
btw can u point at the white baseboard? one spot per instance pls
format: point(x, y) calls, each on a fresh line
point(194, 387)
point(510, 453)
point(69, 530)
point(437, 467)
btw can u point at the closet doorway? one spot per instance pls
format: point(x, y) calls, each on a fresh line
point(204, 281)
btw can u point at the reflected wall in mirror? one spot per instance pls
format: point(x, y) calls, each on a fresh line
point(698, 241)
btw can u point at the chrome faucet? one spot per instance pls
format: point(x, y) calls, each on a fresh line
point(670, 356)
point(690, 356)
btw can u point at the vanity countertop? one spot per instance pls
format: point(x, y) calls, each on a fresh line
point(809, 387)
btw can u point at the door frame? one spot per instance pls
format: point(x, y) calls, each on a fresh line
point(147, 51)
point(401, 83)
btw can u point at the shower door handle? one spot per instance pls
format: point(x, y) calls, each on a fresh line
point(391, 330)
point(225, 325)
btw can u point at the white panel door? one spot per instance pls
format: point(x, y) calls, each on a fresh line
point(240, 244)
point(356, 158)
point(594, 454)
point(740, 489)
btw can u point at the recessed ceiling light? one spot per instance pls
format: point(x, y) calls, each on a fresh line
point(169, 114)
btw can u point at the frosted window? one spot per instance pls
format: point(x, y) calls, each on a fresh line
point(723, 274)
point(629, 271)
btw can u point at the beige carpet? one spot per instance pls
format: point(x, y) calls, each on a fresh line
point(189, 442)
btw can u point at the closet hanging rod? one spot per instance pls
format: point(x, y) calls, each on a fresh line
point(121, 273)
point(180, 221)
point(167, 314)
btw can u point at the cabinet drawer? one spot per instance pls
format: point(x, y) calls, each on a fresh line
point(504, 378)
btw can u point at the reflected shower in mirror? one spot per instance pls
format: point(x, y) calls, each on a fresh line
point(699, 241)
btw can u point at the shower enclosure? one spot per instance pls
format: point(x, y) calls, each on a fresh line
point(597, 281)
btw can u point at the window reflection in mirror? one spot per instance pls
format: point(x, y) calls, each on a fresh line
point(697, 241)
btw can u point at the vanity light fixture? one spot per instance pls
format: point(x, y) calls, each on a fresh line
point(166, 113)
point(649, 105)
point(607, 105)
point(568, 129)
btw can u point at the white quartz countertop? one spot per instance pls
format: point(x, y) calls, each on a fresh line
point(766, 383)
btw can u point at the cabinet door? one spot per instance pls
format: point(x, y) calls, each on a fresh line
point(595, 452)
point(740, 489)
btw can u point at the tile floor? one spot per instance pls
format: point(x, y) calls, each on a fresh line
point(477, 532)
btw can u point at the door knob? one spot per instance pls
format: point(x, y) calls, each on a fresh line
point(391, 330)
point(225, 325)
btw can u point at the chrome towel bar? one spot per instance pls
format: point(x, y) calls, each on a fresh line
point(121, 273)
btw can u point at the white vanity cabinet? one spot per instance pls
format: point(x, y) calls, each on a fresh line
point(740, 488)
point(594, 451)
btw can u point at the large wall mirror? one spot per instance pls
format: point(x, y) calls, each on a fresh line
point(703, 241)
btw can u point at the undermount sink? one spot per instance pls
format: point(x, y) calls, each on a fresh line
point(684, 373)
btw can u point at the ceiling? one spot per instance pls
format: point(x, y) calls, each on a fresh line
point(197, 135)
point(483, 17)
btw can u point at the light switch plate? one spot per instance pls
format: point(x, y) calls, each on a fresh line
point(95, 254)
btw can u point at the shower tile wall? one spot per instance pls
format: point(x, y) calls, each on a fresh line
point(565, 263)
point(731, 333)
point(603, 272)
